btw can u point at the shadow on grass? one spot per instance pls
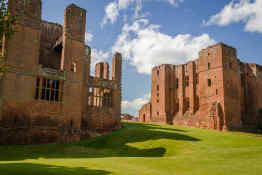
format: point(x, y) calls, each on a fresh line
point(117, 144)
point(38, 169)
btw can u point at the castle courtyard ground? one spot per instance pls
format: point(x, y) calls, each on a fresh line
point(141, 149)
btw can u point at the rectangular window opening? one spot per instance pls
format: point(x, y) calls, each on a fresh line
point(209, 82)
point(48, 90)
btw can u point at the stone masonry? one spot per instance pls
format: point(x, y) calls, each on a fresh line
point(216, 91)
point(48, 95)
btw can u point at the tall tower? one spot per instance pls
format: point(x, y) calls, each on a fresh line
point(117, 76)
point(232, 87)
point(22, 51)
point(73, 62)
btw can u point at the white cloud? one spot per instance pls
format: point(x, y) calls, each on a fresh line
point(144, 46)
point(244, 11)
point(111, 13)
point(113, 9)
point(132, 107)
point(123, 4)
point(97, 56)
point(175, 2)
point(89, 37)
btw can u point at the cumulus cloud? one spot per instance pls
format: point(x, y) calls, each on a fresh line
point(123, 4)
point(98, 55)
point(111, 13)
point(246, 11)
point(132, 107)
point(112, 10)
point(89, 37)
point(144, 46)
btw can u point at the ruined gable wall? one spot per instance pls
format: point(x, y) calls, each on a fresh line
point(50, 33)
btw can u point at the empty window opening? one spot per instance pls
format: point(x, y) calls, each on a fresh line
point(15, 120)
point(73, 67)
point(99, 97)
point(187, 80)
point(48, 90)
point(209, 65)
point(177, 106)
point(157, 87)
point(157, 101)
point(157, 113)
point(216, 91)
point(230, 65)
point(197, 103)
point(209, 82)
point(157, 94)
point(157, 72)
point(197, 78)
point(71, 124)
point(187, 104)
point(37, 88)
point(177, 83)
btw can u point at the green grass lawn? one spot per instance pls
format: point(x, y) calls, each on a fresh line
point(141, 149)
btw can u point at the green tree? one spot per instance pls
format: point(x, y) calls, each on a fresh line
point(7, 29)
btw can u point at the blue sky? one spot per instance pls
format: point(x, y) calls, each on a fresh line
point(153, 32)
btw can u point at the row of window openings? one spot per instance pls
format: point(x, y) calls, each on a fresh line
point(187, 101)
point(225, 65)
point(208, 65)
point(99, 100)
point(48, 90)
point(209, 83)
point(187, 105)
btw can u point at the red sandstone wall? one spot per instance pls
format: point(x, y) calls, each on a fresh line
point(101, 119)
point(145, 113)
point(73, 63)
point(23, 119)
point(205, 93)
point(251, 99)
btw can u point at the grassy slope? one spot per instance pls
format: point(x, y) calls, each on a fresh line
point(141, 149)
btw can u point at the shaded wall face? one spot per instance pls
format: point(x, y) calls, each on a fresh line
point(101, 119)
point(158, 94)
point(251, 82)
point(232, 88)
point(50, 34)
point(145, 113)
point(35, 122)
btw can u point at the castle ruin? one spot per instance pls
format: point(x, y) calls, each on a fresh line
point(216, 91)
point(47, 94)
